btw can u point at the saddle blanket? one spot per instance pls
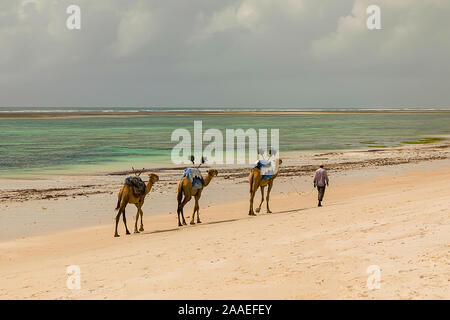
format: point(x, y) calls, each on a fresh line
point(196, 178)
point(266, 168)
point(137, 185)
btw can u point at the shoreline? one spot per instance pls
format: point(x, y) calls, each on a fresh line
point(116, 169)
point(83, 114)
point(33, 207)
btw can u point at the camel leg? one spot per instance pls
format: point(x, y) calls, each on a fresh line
point(186, 200)
point(124, 218)
point(196, 207)
point(136, 221)
point(252, 196)
point(197, 198)
point(180, 210)
point(267, 197)
point(262, 200)
point(116, 234)
point(142, 223)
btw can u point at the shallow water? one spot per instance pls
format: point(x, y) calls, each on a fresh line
point(98, 144)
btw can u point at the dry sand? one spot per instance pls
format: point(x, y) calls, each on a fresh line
point(377, 211)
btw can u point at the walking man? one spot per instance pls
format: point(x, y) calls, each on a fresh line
point(320, 181)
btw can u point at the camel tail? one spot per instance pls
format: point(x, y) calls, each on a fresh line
point(179, 192)
point(119, 199)
point(251, 183)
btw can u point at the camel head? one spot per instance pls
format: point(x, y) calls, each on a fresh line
point(153, 177)
point(212, 172)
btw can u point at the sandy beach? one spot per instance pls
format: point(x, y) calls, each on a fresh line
point(387, 208)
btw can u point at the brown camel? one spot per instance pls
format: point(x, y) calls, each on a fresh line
point(255, 181)
point(126, 196)
point(185, 186)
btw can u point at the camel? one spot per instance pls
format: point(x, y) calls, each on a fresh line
point(185, 186)
point(255, 181)
point(126, 196)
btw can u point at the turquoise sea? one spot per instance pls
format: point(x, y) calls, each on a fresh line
point(100, 144)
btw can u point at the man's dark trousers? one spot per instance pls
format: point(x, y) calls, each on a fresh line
point(321, 192)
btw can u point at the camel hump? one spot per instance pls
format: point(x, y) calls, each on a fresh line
point(192, 173)
point(137, 185)
point(195, 176)
point(266, 167)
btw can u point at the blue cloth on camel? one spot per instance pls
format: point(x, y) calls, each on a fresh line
point(266, 168)
point(137, 185)
point(195, 177)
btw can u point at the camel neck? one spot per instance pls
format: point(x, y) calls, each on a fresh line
point(208, 179)
point(148, 187)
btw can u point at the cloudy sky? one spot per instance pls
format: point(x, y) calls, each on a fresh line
point(285, 53)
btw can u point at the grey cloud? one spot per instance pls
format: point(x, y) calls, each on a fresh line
point(293, 53)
